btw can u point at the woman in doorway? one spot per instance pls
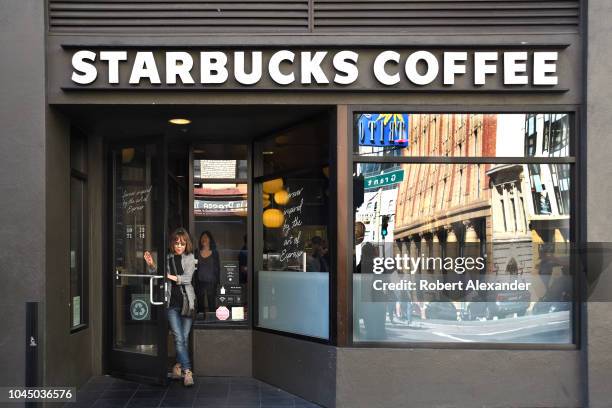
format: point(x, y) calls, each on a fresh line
point(208, 271)
point(180, 265)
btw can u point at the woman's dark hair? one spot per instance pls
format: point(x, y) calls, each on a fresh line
point(213, 244)
point(180, 234)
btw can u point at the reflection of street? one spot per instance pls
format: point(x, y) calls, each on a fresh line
point(545, 328)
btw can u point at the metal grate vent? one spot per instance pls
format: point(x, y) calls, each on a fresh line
point(342, 16)
point(446, 15)
point(147, 16)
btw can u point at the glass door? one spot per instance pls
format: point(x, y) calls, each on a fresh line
point(137, 320)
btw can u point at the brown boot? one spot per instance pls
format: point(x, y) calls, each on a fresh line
point(188, 379)
point(176, 372)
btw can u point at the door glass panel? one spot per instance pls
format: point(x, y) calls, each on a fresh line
point(220, 210)
point(135, 223)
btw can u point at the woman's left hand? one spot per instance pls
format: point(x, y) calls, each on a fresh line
point(171, 277)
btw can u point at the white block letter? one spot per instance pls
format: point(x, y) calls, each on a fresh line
point(543, 64)
point(274, 67)
point(89, 72)
point(113, 58)
point(432, 68)
point(182, 69)
point(451, 68)
point(212, 67)
point(144, 67)
point(481, 68)
point(349, 70)
point(311, 67)
point(239, 71)
point(379, 68)
point(512, 67)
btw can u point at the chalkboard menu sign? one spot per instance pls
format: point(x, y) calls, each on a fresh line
point(292, 249)
point(300, 234)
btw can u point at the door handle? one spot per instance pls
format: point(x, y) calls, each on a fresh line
point(152, 278)
point(136, 275)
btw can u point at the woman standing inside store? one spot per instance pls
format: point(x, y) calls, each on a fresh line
point(180, 265)
point(208, 271)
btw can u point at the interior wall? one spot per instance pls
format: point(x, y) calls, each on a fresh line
point(22, 175)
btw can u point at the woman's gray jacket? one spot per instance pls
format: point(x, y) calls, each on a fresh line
point(188, 263)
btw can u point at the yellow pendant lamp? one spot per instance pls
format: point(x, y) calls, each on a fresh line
point(127, 155)
point(281, 197)
point(273, 218)
point(273, 186)
point(266, 200)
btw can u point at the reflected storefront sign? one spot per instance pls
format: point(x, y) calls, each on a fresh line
point(220, 207)
point(383, 129)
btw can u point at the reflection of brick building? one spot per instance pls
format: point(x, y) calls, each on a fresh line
point(530, 203)
point(501, 209)
point(440, 203)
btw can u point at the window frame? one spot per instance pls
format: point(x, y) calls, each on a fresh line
point(577, 223)
point(84, 271)
point(258, 176)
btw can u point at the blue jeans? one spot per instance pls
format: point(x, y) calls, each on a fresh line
point(180, 327)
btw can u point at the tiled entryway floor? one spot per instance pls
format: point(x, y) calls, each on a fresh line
point(221, 392)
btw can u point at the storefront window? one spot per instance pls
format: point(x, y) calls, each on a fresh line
point(461, 135)
point(220, 213)
point(78, 233)
point(77, 241)
point(465, 252)
point(294, 261)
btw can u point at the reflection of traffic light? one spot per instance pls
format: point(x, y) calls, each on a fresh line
point(358, 187)
point(383, 226)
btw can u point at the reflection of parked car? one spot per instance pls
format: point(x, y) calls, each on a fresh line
point(499, 304)
point(550, 307)
point(441, 311)
point(500, 309)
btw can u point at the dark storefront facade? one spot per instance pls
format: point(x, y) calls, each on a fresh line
point(314, 141)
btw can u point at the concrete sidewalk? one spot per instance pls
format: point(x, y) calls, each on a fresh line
point(217, 392)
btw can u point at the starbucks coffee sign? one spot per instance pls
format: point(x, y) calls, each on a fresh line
point(340, 69)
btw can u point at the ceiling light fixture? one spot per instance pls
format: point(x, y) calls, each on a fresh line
point(180, 121)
